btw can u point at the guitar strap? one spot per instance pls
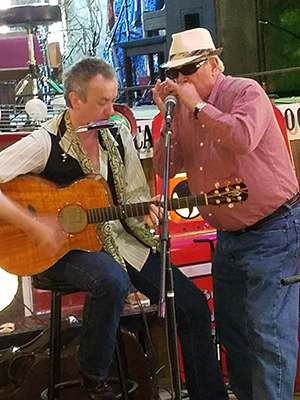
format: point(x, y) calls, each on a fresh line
point(110, 181)
point(117, 137)
point(115, 158)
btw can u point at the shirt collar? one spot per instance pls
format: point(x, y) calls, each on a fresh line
point(215, 90)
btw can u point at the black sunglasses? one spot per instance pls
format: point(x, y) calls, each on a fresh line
point(188, 69)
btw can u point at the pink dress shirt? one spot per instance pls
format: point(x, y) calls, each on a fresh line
point(236, 135)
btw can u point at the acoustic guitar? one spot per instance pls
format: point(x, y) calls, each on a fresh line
point(78, 208)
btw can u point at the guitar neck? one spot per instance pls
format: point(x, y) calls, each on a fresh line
point(98, 215)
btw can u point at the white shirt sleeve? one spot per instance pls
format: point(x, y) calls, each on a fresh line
point(30, 154)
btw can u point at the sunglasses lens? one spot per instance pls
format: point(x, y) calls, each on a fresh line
point(188, 69)
point(172, 73)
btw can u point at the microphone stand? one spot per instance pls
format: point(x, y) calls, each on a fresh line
point(167, 296)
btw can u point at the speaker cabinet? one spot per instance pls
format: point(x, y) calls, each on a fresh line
point(239, 32)
point(189, 14)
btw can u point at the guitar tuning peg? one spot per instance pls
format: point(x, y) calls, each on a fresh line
point(227, 183)
point(231, 205)
point(239, 198)
point(228, 200)
point(238, 180)
point(237, 187)
point(218, 201)
point(217, 185)
point(227, 189)
point(216, 191)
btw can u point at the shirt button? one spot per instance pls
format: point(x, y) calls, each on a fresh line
point(201, 192)
point(201, 168)
point(201, 144)
point(203, 126)
point(219, 140)
point(210, 214)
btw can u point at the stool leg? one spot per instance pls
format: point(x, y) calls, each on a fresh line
point(122, 365)
point(55, 327)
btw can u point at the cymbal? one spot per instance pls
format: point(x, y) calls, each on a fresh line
point(30, 15)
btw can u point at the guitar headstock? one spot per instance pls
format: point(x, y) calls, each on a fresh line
point(228, 194)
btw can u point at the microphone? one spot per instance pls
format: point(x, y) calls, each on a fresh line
point(95, 125)
point(290, 280)
point(170, 102)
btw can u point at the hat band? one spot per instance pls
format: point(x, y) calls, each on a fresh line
point(186, 54)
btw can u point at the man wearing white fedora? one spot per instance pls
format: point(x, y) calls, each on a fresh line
point(224, 129)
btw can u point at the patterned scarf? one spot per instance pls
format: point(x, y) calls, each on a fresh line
point(117, 167)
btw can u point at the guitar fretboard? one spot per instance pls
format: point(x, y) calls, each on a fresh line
point(97, 215)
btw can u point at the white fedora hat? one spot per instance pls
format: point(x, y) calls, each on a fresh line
point(191, 45)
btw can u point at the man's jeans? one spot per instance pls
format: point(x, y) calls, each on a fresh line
point(256, 316)
point(106, 284)
point(202, 371)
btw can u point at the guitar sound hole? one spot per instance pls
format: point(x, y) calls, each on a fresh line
point(73, 219)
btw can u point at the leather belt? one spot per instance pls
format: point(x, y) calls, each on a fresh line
point(279, 211)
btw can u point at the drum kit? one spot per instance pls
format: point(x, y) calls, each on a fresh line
point(37, 89)
point(31, 17)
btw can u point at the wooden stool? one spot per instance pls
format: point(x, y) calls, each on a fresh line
point(59, 289)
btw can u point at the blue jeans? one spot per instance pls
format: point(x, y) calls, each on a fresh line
point(256, 316)
point(106, 283)
point(202, 372)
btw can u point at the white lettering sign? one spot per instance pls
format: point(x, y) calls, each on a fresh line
point(143, 139)
point(291, 114)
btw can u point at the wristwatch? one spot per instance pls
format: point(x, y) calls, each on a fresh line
point(198, 108)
